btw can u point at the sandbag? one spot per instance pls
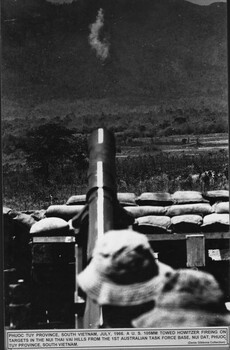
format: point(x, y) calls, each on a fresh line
point(217, 196)
point(145, 210)
point(155, 198)
point(215, 222)
point(126, 199)
point(38, 214)
point(186, 223)
point(221, 207)
point(6, 210)
point(49, 227)
point(77, 200)
point(194, 208)
point(153, 224)
point(184, 197)
point(23, 220)
point(64, 211)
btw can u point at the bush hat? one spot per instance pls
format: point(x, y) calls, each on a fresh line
point(188, 298)
point(169, 318)
point(123, 270)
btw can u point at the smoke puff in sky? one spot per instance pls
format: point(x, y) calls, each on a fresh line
point(101, 47)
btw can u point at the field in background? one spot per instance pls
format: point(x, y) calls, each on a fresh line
point(192, 145)
point(152, 164)
point(156, 143)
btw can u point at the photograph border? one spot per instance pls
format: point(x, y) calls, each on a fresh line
point(154, 347)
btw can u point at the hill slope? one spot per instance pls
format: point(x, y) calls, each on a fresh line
point(160, 50)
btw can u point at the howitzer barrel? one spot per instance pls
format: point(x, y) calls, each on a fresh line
point(102, 210)
point(101, 194)
point(101, 199)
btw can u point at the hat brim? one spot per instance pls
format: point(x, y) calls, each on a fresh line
point(106, 292)
point(171, 318)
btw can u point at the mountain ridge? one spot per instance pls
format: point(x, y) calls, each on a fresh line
point(163, 50)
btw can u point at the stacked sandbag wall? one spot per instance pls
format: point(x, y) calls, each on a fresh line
point(48, 270)
point(186, 212)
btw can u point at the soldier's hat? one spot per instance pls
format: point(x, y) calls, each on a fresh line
point(189, 298)
point(123, 270)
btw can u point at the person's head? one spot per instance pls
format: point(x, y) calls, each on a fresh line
point(192, 289)
point(123, 276)
point(188, 298)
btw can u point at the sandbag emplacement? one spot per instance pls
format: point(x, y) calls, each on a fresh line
point(153, 224)
point(50, 227)
point(23, 220)
point(155, 198)
point(145, 210)
point(221, 207)
point(77, 200)
point(215, 223)
point(217, 196)
point(186, 223)
point(64, 211)
point(194, 208)
point(126, 198)
point(185, 197)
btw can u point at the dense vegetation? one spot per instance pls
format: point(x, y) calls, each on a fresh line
point(24, 190)
point(166, 74)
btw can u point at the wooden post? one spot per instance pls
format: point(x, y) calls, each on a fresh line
point(79, 302)
point(195, 244)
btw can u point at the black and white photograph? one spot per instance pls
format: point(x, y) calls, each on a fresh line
point(115, 163)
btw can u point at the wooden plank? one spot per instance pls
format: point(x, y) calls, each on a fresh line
point(151, 237)
point(54, 239)
point(182, 236)
point(195, 245)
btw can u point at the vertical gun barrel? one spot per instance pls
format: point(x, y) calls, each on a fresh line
point(101, 199)
point(101, 194)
